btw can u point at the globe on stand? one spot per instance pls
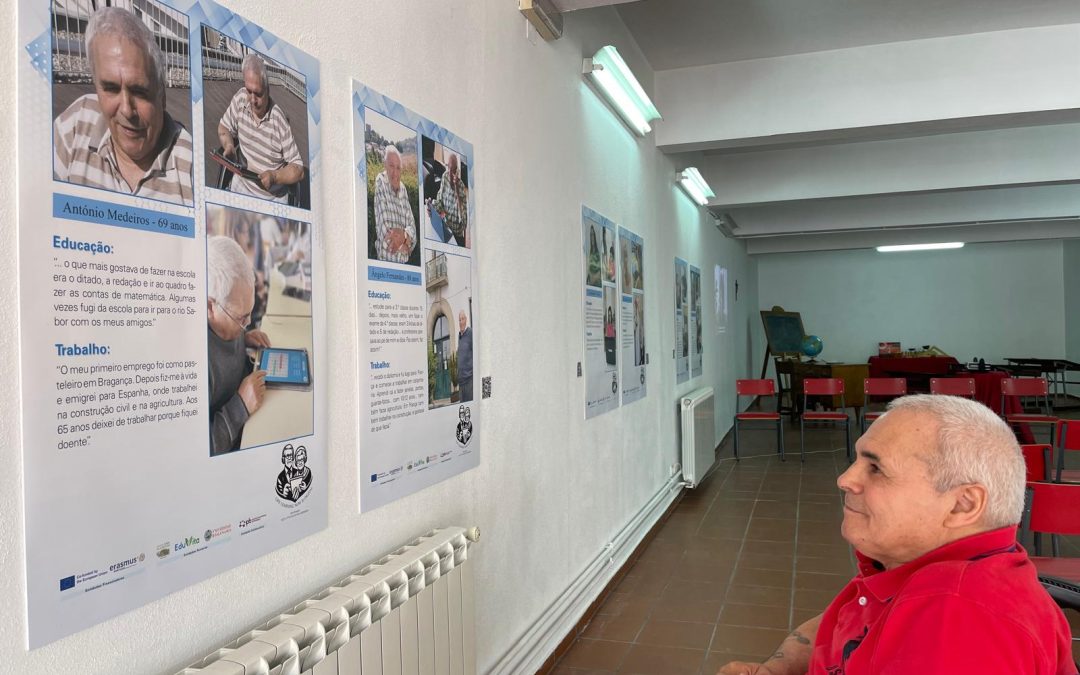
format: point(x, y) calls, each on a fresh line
point(812, 346)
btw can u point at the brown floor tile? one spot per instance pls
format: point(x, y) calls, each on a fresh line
point(566, 670)
point(821, 582)
point(688, 591)
point(654, 660)
point(801, 616)
point(775, 510)
point(759, 595)
point(667, 633)
point(813, 600)
point(618, 627)
point(596, 654)
point(760, 616)
point(748, 576)
point(838, 565)
point(769, 547)
point(746, 640)
point(761, 561)
point(814, 550)
point(628, 604)
point(711, 571)
point(700, 611)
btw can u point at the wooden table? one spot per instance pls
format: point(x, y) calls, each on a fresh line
point(852, 374)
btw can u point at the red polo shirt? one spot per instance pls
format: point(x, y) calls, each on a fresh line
point(972, 606)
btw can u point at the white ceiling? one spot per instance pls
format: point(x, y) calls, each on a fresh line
point(850, 123)
point(682, 33)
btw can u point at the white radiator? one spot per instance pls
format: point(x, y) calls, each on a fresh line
point(409, 613)
point(698, 435)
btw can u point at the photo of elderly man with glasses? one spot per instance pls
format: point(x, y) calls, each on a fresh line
point(236, 390)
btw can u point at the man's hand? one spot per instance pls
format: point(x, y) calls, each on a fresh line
point(229, 150)
point(268, 179)
point(252, 390)
point(740, 668)
point(256, 338)
point(399, 241)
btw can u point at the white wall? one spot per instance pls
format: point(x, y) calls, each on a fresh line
point(1071, 275)
point(551, 488)
point(987, 300)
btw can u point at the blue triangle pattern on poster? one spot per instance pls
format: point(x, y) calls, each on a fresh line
point(40, 51)
point(364, 97)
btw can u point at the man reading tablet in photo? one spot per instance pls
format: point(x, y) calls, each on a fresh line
point(235, 391)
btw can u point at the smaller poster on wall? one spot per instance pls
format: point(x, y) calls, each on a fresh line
point(417, 276)
point(682, 323)
point(695, 322)
point(632, 294)
point(720, 275)
point(600, 300)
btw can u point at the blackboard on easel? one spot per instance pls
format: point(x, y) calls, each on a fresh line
point(783, 331)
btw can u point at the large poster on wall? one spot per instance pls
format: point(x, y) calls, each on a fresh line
point(415, 204)
point(696, 347)
point(632, 286)
point(599, 308)
point(171, 301)
point(682, 323)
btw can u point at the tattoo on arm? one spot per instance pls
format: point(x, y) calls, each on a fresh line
point(800, 638)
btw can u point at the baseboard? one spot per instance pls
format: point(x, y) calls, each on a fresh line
point(550, 636)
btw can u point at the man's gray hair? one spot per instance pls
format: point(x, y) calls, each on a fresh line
point(123, 24)
point(390, 149)
point(974, 446)
point(253, 63)
point(226, 264)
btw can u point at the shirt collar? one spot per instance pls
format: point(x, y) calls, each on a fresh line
point(884, 584)
point(170, 131)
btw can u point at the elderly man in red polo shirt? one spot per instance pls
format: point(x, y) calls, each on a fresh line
point(931, 506)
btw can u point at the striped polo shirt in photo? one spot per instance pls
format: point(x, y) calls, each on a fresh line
point(267, 144)
point(84, 155)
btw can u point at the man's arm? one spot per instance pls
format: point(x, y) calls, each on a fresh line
point(792, 657)
point(227, 140)
point(290, 174)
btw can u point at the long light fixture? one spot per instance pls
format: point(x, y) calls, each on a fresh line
point(617, 83)
point(920, 247)
point(691, 181)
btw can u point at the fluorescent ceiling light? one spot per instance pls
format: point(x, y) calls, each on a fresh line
point(920, 247)
point(691, 181)
point(617, 83)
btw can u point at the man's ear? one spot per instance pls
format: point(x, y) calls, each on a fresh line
point(209, 306)
point(969, 506)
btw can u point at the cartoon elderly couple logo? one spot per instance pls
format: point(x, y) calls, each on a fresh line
point(294, 481)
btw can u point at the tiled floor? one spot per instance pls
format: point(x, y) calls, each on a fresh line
point(746, 557)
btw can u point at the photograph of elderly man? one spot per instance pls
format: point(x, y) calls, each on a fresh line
point(255, 123)
point(393, 190)
point(236, 388)
point(446, 194)
point(931, 507)
point(117, 130)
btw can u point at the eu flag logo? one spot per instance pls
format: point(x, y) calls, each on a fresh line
point(374, 477)
point(67, 582)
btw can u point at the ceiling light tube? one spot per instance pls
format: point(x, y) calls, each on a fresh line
point(617, 83)
point(691, 181)
point(920, 247)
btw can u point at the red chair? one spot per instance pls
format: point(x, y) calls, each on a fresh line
point(880, 386)
point(1037, 461)
point(824, 386)
point(1068, 440)
point(953, 386)
point(758, 388)
point(1052, 508)
point(1029, 388)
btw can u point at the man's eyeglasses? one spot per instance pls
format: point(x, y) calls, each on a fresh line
point(241, 321)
